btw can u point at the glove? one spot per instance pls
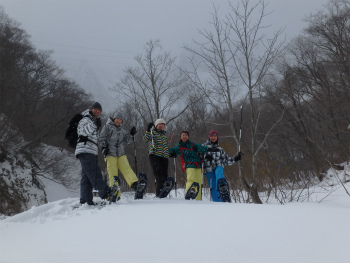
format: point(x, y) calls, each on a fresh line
point(238, 157)
point(105, 151)
point(149, 127)
point(133, 131)
point(208, 157)
point(173, 155)
point(98, 122)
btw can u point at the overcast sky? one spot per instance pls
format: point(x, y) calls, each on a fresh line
point(107, 34)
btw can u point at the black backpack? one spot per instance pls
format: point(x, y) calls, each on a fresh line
point(72, 130)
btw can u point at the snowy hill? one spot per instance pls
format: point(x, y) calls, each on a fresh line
point(33, 177)
point(83, 74)
point(176, 230)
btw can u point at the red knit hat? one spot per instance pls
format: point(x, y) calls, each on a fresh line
point(213, 132)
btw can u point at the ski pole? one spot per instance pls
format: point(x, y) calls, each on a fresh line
point(240, 131)
point(202, 180)
point(152, 138)
point(133, 137)
point(175, 178)
point(155, 180)
point(171, 138)
point(211, 184)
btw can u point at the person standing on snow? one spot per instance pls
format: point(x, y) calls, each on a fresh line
point(112, 140)
point(214, 166)
point(190, 161)
point(158, 152)
point(87, 151)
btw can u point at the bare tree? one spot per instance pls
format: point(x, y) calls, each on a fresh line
point(238, 54)
point(155, 87)
point(315, 91)
point(36, 104)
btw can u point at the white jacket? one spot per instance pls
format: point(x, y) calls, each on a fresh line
point(87, 128)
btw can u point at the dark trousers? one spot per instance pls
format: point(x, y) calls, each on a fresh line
point(160, 170)
point(91, 177)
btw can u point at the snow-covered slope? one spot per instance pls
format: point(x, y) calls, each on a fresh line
point(176, 230)
point(83, 74)
point(33, 177)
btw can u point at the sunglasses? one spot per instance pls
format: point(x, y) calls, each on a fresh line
point(213, 134)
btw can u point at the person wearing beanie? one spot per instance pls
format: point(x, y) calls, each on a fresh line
point(112, 141)
point(159, 121)
point(96, 105)
point(158, 152)
point(215, 162)
point(86, 151)
point(191, 162)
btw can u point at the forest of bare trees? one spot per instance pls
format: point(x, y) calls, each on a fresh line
point(36, 100)
point(295, 96)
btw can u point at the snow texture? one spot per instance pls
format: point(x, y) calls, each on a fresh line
point(177, 230)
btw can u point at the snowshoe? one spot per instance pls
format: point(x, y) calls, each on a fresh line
point(115, 190)
point(166, 188)
point(141, 186)
point(224, 190)
point(192, 192)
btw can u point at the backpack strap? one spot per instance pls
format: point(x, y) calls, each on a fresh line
point(183, 163)
point(82, 138)
point(85, 139)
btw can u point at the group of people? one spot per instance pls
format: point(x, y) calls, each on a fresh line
point(112, 140)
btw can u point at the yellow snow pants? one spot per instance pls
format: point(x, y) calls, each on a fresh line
point(194, 175)
point(121, 163)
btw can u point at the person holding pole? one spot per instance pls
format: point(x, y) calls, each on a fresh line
point(158, 144)
point(214, 166)
point(191, 162)
point(112, 141)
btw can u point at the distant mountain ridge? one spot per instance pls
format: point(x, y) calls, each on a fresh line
point(88, 79)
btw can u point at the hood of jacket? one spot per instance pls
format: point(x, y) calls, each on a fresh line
point(111, 122)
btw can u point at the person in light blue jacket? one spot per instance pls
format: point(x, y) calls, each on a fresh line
point(87, 151)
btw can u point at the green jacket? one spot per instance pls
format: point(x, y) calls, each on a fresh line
point(188, 152)
point(159, 145)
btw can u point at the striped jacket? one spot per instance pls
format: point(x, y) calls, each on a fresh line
point(220, 158)
point(160, 144)
point(88, 128)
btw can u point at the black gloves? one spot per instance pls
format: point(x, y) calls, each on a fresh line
point(238, 157)
point(98, 123)
point(133, 131)
point(208, 157)
point(149, 127)
point(173, 155)
point(105, 151)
